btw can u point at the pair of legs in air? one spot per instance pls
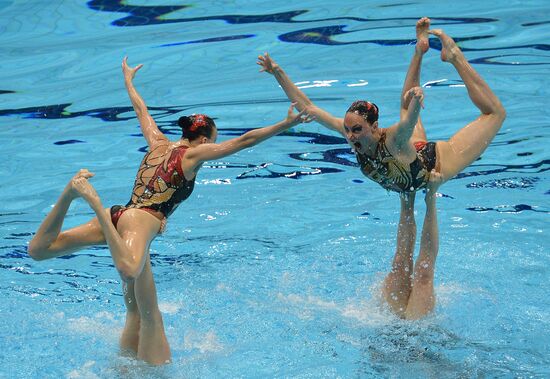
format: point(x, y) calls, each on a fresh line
point(143, 333)
point(408, 288)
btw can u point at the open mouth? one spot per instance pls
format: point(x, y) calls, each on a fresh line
point(357, 145)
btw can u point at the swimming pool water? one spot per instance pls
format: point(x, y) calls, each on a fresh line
point(272, 267)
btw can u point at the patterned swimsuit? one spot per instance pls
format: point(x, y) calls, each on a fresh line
point(160, 186)
point(393, 175)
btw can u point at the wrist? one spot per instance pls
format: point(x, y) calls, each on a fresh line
point(292, 123)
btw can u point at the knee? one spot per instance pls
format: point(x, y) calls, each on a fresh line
point(129, 270)
point(36, 252)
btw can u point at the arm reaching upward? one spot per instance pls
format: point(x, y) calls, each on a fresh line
point(210, 151)
point(405, 127)
point(148, 126)
point(297, 96)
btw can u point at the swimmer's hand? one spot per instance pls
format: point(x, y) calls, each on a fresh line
point(267, 64)
point(302, 117)
point(129, 72)
point(414, 93)
point(435, 180)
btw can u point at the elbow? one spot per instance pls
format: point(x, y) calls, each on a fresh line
point(496, 113)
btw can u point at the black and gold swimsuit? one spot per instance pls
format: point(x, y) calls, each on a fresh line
point(393, 175)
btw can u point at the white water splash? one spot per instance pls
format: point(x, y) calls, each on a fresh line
point(205, 343)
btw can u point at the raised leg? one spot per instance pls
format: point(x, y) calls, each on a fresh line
point(471, 141)
point(50, 242)
point(413, 74)
point(137, 229)
point(397, 284)
point(422, 298)
point(153, 345)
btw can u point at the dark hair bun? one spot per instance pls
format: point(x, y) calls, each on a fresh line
point(196, 125)
point(185, 122)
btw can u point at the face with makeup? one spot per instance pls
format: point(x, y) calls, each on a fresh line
point(359, 133)
point(361, 126)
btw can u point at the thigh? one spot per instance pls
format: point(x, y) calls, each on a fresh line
point(79, 237)
point(137, 229)
point(466, 145)
point(419, 133)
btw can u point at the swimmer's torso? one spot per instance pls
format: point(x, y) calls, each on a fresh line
point(393, 175)
point(160, 183)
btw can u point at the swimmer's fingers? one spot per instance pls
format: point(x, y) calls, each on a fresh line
point(266, 62)
point(127, 70)
point(421, 99)
point(263, 68)
point(436, 177)
point(291, 108)
point(303, 116)
point(418, 94)
point(307, 118)
point(435, 180)
point(294, 118)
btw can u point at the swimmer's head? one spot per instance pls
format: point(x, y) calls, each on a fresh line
point(367, 110)
point(197, 126)
point(361, 125)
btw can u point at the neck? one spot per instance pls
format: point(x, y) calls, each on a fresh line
point(371, 145)
point(187, 142)
point(370, 148)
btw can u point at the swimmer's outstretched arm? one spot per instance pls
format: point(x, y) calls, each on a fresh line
point(403, 130)
point(297, 96)
point(209, 151)
point(148, 126)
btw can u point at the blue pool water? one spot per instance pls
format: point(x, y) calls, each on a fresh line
point(272, 267)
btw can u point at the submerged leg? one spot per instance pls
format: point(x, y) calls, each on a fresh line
point(129, 340)
point(471, 141)
point(153, 345)
point(397, 284)
point(50, 242)
point(422, 299)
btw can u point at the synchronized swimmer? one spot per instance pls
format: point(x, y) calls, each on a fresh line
point(165, 178)
point(399, 158)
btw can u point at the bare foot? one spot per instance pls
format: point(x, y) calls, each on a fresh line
point(422, 37)
point(436, 179)
point(82, 186)
point(449, 49)
point(70, 190)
